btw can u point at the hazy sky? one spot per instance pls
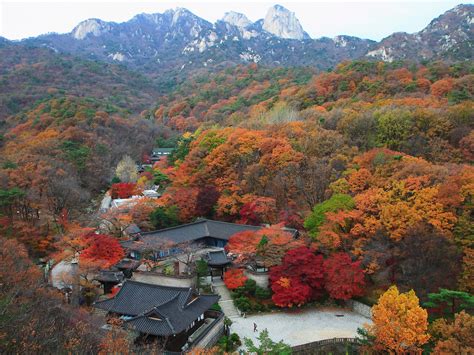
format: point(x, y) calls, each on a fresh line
point(367, 19)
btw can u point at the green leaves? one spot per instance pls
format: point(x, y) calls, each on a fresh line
point(76, 153)
point(164, 217)
point(317, 218)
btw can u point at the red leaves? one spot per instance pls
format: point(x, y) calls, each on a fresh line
point(234, 278)
point(102, 250)
point(304, 270)
point(123, 190)
point(259, 210)
point(289, 292)
point(344, 278)
point(303, 276)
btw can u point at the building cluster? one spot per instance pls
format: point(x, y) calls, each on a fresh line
point(157, 298)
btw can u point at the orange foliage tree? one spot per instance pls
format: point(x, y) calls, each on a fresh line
point(265, 247)
point(453, 337)
point(399, 323)
point(234, 278)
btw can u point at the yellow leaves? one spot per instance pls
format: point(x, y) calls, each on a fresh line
point(398, 207)
point(340, 186)
point(399, 323)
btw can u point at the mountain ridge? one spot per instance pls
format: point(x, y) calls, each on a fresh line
point(179, 40)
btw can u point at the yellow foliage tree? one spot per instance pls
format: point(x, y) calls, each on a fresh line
point(399, 323)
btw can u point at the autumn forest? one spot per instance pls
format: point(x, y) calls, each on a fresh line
point(370, 161)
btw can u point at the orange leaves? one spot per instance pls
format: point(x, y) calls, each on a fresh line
point(284, 282)
point(242, 164)
point(243, 243)
point(234, 278)
point(454, 337)
point(360, 180)
point(399, 323)
point(267, 245)
point(442, 87)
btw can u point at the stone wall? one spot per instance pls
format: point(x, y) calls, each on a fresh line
point(261, 278)
point(211, 338)
point(360, 308)
point(164, 280)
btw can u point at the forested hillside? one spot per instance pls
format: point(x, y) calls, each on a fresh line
point(57, 157)
point(370, 159)
point(29, 74)
point(423, 110)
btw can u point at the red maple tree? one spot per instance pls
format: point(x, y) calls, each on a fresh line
point(102, 250)
point(123, 190)
point(298, 279)
point(344, 277)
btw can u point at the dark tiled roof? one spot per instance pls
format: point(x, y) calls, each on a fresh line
point(132, 229)
point(127, 264)
point(110, 276)
point(172, 318)
point(176, 307)
point(215, 258)
point(136, 298)
point(193, 231)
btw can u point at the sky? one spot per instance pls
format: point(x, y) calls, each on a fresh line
point(374, 19)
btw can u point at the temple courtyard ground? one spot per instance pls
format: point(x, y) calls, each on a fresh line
point(301, 326)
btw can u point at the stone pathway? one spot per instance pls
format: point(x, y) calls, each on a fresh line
point(301, 326)
point(225, 301)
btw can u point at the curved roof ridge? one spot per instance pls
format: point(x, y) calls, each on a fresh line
point(147, 313)
point(153, 285)
point(239, 224)
point(188, 296)
point(175, 227)
point(170, 325)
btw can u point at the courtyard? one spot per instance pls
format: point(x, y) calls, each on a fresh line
point(298, 326)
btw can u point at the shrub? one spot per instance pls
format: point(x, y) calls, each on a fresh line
point(235, 338)
point(250, 287)
point(243, 304)
point(202, 268)
point(263, 293)
point(216, 307)
point(229, 344)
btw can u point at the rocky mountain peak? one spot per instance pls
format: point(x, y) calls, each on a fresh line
point(447, 36)
point(283, 23)
point(91, 26)
point(178, 14)
point(236, 19)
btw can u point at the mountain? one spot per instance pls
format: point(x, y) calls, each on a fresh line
point(178, 41)
point(283, 23)
point(451, 35)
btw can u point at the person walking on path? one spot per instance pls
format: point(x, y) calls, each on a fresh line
point(254, 327)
